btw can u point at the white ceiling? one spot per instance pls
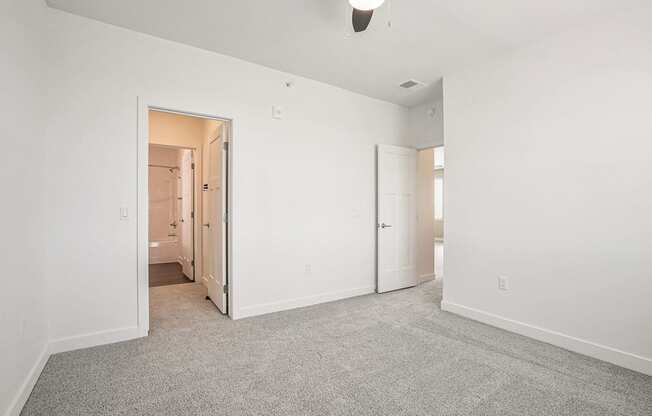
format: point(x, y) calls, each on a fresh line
point(311, 38)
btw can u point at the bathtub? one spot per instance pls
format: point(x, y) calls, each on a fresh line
point(164, 251)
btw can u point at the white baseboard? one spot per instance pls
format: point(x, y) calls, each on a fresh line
point(26, 388)
point(588, 348)
point(63, 345)
point(426, 278)
point(94, 339)
point(265, 308)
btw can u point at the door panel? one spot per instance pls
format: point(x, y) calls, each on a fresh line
point(405, 252)
point(214, 226)
point(186, 208)
point(396, 222)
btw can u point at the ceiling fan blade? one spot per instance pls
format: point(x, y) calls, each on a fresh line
point(361, 19)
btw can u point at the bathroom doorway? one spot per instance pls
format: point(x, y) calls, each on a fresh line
point(171, 215)
point(186, 269)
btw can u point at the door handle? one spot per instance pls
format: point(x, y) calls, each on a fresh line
point(383, 225)
point(207, 225)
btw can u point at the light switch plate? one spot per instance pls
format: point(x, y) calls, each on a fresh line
point(277, 112)
point(503, 283)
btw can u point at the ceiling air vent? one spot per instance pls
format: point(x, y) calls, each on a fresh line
point(411, 83)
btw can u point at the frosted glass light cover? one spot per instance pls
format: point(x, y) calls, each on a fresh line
point(366, 4)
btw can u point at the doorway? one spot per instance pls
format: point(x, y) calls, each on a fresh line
point(430, 213)
point(171, 215)
point(410, 216)
point(214, 214)
point(396, 215)
point(183, 216)
point(438, 200)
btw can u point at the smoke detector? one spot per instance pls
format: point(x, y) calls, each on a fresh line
point(411, 83)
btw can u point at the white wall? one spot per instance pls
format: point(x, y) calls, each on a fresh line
point(549, 182)
point(303, 192)
point(23, 323)
point(426, 121)
point(425, 215)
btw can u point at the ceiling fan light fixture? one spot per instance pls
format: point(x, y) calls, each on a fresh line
point(366, 5)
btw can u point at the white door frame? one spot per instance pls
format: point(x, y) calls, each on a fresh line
point(144, 106)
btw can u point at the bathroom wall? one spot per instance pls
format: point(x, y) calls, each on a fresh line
point(175, 129)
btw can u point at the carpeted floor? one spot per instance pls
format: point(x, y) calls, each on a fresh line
point(391, 354)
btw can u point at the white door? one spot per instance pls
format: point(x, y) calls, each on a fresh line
point(396, 218)
point(214, 229)
point(186, 215)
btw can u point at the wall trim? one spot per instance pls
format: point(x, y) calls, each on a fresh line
point(17, 404)
point(264, 308)
point(426, 277)
point(94, 339)
point(601, 352)
point(56, 346)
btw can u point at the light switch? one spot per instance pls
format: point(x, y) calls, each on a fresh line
point(124, 213)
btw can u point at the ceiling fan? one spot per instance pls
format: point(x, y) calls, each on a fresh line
point(363, 11)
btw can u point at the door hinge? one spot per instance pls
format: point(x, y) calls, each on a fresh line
point(192, 214)
point(225, 146)
point(192, 165)
point(226, 217)
point(226, 289)
point(192, 263)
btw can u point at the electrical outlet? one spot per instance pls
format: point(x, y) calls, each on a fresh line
point(503, 283)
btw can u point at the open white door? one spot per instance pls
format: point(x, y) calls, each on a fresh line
point(186, 212)
point(396, 218)
point(214, 229)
